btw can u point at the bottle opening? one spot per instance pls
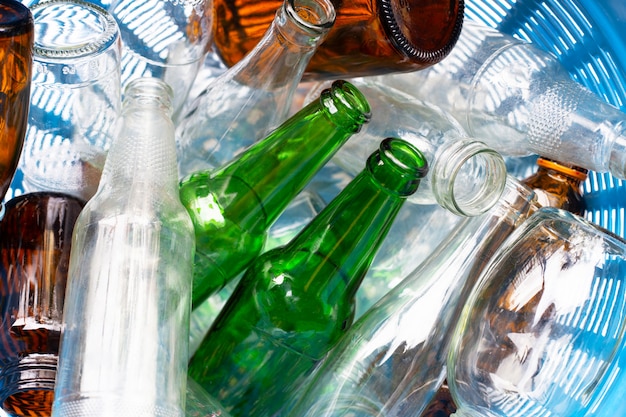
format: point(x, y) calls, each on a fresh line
point(312, 14)
point(72, 29)
point(468, 177)
point(405, 157)
point(343, 93)
point(423, 29)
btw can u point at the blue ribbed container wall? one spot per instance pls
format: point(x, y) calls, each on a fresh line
point(589, 38)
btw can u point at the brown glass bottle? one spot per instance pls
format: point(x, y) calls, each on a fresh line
point(558, 185)
point(35, 238)
point(16, 51)
point(369, 37)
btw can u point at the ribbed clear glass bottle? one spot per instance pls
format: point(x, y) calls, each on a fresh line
point(520, 100)
point(124, 344)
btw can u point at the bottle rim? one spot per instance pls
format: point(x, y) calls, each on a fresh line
point(450, 168)
point(406, 158)
point(567, 169)
point(409, 48)
point(33, 372)
point(313, 15)
point(352, 100)
point(63, 15)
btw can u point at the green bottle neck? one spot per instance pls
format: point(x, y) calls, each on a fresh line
point(349, 231)
point(277, 168)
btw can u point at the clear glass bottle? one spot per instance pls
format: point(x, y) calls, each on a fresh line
point(542, 333)
point(293, 302)
point(555, 185)
point(254, 96)
point(16, 57)
point(369, 37)
point(393, 360)
point(233, 207)
point(126, 321)
point(163, 39)
point(520, 100)
point(466, 176)
point(35, 243)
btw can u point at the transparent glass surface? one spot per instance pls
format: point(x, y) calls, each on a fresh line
point(520, 100)
point(75, 97)
point(253, 97)
point(391, 362)
point(125, 338)
point(543, 332)
point(165, 39)
point(466, 176)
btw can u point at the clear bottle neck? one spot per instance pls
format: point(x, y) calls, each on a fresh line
point(280, 57)
point(143, 153)
point(148, 92)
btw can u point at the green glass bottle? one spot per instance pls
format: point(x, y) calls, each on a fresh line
point(293, 302)
point(233, 207)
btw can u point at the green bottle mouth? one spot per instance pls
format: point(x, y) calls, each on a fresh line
point(355, 109)
point(398, 165)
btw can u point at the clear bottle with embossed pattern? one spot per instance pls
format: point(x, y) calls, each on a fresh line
point(520, 100)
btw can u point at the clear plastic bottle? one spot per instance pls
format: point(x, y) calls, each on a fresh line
point(391, 362)
point(520, 100)
point(542, 333)
point(124, 344)
point(254, 96)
